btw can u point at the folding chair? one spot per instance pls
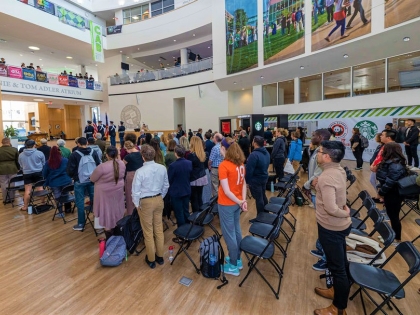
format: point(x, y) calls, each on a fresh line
point(351, 179)
point(375, 216)
point(15, 184)
point(287, 177)
point(207, 219)
point(384, 282)
point(412, 202)
point(359, 224)
point(187, 233)
point(362, 196)
point(284, 187)
point(418, 223)
point(38, 196)
point(261, 249)
point(66, 198)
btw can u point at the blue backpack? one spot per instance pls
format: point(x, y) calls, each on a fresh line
point(115, 252)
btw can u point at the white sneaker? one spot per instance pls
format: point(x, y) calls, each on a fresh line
point(409, 166)
point(415, 169)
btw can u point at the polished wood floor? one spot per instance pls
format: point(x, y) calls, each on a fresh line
point(47, 268)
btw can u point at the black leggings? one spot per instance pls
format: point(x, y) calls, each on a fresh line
point(196, 198)
point(392, 202)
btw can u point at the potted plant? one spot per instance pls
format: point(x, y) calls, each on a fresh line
point(12, 133)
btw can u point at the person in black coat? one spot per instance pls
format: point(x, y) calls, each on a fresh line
point(44, 148)
point(278, 155)
point(198, 178)
point(244, 143)
point(411, 142)
point(89, 130)
point(390, 170)
point(268, 136)
point(373, 174)
point(121, 133)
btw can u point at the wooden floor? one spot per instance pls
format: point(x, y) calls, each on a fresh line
point(47, 268)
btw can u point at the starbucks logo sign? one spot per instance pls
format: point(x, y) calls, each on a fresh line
point(367, 128)
point(258, 126)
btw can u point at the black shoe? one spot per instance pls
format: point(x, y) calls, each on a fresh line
point(159, 260)
point(176, 240)
point(151, 264)
point(377, 200)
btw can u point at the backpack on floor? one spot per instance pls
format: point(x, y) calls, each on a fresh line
point(364, 142)
point(130, 229)
point(115, 252)
point(271, 178)
point(87, 165)
point(210, 257)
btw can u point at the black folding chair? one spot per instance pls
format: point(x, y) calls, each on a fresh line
point(412, 202)
point(13, 186)
point(418, 223)
point(388, 235)
point(187, 233)
point(207, 220)
point(66, 199)
point(359, 224)
point(351, 180)
point(41, 200)
point(260, 249)
point(384, 282)
point(363, 195)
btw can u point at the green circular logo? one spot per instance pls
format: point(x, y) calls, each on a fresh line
point(367, 128)
point(258, 126)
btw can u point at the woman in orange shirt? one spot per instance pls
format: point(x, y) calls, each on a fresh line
point(232, 198)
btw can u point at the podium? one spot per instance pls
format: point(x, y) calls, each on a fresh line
point(37, 137)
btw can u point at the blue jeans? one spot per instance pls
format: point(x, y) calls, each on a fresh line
point(122, 142)
point(258, 193)
point(113, 142)
point(79, 194)
point(342, 24)
point(181, 209)
point(231, 230)
point(313, 199)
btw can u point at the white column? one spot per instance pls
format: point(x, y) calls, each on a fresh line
point(257, 99)
point(184, 56)
point(280, 96)
point(297, 90)
point(315, 90)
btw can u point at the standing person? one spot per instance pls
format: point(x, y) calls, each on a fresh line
point(9, 166)
point(64, 151)
point(295, 151)
point(198, 178)
point(100, 143)
point(278, 155)
point(299, 20)
point(150, 186)
point(244, 143)
point(112, 133)
point(199, 133)
point(356, 147)
point(180, 132)
point(302, 135)
point(163, 143)
point(357, 5)
point(159, 158)
point(179, 173)
point(340, 19)
point(133, 161)
point(56, 176)
point(372, 180)
point(330, 10)
point(208, 143)
point(257, 172)
point(109, 205)
point(129, 136)
point(190, 134)
point(32, 162)
point(82, 185)
point(232, 199)
point(289, 23)
point(101, 129)
point(44, 148)
point(95, 147)
point(283, 22)
point(89, 130)
point(268, 136)
point(391, 169)
point(215, 159)
point(183, 142)
point(411, 142)
point(170, 155)
point(121, 132)
point(334, 224)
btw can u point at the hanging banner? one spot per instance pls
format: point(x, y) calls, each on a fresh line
point(96, 40)
point(63, 80)
point(89, 85)
point(15, 72)
point(29, 74)
point(45, 6)
point(97, 86)
point(70, 18)
point(81, 83)
point(52, 78)
point(3, 70)
point(117, 29)
point(72, 81)
point(41, 76)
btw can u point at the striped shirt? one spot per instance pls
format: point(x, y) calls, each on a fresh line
point(215, 157)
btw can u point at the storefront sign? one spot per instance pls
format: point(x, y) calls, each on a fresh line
point(3, 70)
point(63, 80)
point(81, 83)
point(41, 76)
point(96, 40)
point(15, 72)
point(89, 85)
point(52, 78)
point(72, 81)
point(97, 86)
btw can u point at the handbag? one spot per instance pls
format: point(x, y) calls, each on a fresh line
point(407, 186)
point(340, 15)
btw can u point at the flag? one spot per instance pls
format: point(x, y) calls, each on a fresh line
point(106, 126)
point(95, 127)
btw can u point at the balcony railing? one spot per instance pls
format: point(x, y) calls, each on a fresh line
point(166, 73)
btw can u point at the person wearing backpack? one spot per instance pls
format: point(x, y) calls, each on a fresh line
point(356, 147)
point(82, 163)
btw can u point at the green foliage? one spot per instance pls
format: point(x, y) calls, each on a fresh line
point(243, 58)
point(241, 18)
point(10, 132)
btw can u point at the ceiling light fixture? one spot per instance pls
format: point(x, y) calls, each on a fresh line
point(302, 67)
point(120, 51)
point(208, 47)
point(243, 89)
point(5, 41)
point(261, 77)
point(174, 40)
point(345, 56)
point(40, 59)
point(38, 100)
point(234, 82)
point(406, 39)
point(193, 34)
point(128, 57)
point(33, 47)
point(69, 57)
point(121, 2)
point(20, 55)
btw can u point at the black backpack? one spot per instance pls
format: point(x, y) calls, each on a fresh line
point(129, 227)
point(210, 257)
point(364, 142)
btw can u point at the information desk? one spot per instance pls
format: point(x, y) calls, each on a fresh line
point(37, 137)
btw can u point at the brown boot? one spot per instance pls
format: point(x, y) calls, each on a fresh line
point(326, 293)
point(330, 310)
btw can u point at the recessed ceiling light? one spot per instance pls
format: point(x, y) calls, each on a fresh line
point(128, 57)
point(208, 47)
point(42, 65)
point(345, 56)
point(120, 51)
point(5, 41)
point(302, 67)
point(96, 65)
point(234, 82)
point(38, 100)
point(174, 40)
point(33, 47)
point(261, 77)
point(243, 89)
point(69, 57)
point(167, 64)
point(40, 59)
point(132, 65)
point(406, 39)
point(159, 59)
point(20, 55)
point(193, 34)
point(121, 2)
point(138, 48)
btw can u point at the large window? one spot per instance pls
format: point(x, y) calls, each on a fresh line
point(337, 83)
point(269, 95)
point(404, 72)
point(286, 93)
point(369, 78)
point(13, 114)
point(136, 14)
point(311, 88)
point(162, 6)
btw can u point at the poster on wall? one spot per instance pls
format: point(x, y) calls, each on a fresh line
point(89, 85)
point(63, 80)
point(81, 83)
point(52, 78)
point(284, 33)
point(15, 72)
point(397, 11)
point(70, 18)
point(117, 29)
point(73, 81)
point(241, 20)
point(41, 76)
point(28, 74)
point(3, 70)
point(45, 6)
point(337, 21)
point(369, 121)
point(225, 127)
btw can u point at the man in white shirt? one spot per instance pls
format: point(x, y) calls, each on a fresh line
point(150, 185)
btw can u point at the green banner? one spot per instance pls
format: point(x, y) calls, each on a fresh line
point(96, 40)
point(71, 18)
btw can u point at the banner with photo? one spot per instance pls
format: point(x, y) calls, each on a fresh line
point(397, 11)
point(15, 72)
point(96, 41)
point(72, 81)
point(52, 78)
point(63, 80)
point(81, 83)
point(337, 21)
point(45, 6)
point(89, 85)
point(117, 29)
point(284, 33)
point(41, 76)
point(97, 86)
point(3, 70)
point(70, 18)
point(241, 20)
point(28, 74)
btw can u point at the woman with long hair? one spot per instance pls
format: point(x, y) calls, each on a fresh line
point(129, 136)
point(163, 144)
point(170, 155)
point(198, 177)
point(183, 142)
point(340, 9)
point(159, 158)
point(55, 174)
point(109, 203)
point(133, 161)
point(356, 147)
point(392, 168)
point(231, 200)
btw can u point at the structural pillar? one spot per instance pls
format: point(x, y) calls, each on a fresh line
point(184, 56)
